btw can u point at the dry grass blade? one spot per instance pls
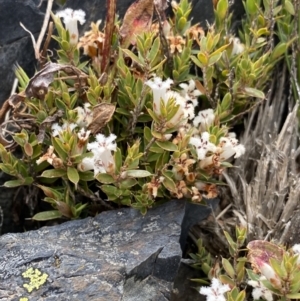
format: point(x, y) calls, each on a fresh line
point(267, 186)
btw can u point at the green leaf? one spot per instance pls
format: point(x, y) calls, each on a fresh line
point(154, 50)
point(214, 58)
point(203, 59)
point(293, 296)
point(291, 10)
point(28, 149)
point(279, 50)
point(197, 62)
point(50, 192)
point(105, 178)
point(138, 173)
point(59, 148)
point(251, 6)
point(118, 160)
point(222, 8)
point(168, 183)
point(133, 56)
point(147, 135)
point(167, 145)
point(128, 183)
point(47, 215)
point(86, 176)
point(254, 92)
point(226, 280)
point(73, 175)
point(226, 102)
point(228, 267)
point(54, 173)
point(126, 201)
point(112, 192)
point(13, 183)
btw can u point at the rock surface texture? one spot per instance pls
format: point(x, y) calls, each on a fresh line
point(118, 255)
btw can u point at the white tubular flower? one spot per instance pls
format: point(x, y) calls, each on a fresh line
point(260, 291)
point(161, 91)
point(238, 47)
point(83, 135)
point(189, 92)
point(102, 160)
point(84, 115)
point(204, 119)
point(70, 18)
point(216, 291)
point(202, 145)
point(229, 147)
point(180, 118)
point(270, 274)
point(159, 88)
point(57, 129)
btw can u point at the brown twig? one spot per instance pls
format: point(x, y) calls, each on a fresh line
point(109, 29)
point(37, 44)
point(43, 56)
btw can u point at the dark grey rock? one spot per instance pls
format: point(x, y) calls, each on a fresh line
point(185, 289)
point(14, 12)
point(15, 43)
point(118, 255)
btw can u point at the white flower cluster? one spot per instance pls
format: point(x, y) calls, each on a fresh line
point(260, 291)
point(216, 291)
point(58, 130)
point(102, 160)
point(186, 100)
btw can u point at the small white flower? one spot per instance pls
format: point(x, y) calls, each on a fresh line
point(103, 143)
point(216, 291)
point(296, 248)
point(57, 129)
point(238, 47)
point(190, 92)
point(84, 115)
point(159, 88)
point(181, 116)
point(204, 119)
point(83, 135)
point(161, 91)
point(229, 147)
point(260, 290)
point(70, 18)
point(202, 145)
point(102, 160)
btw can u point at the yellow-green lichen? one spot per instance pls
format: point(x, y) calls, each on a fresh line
point(24, 299)
point(36, 279)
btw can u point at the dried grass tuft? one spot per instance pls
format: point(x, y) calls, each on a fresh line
point(265, 186)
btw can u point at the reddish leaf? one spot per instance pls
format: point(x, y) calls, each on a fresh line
point(138, 19)
point(262, 251)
